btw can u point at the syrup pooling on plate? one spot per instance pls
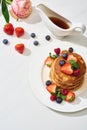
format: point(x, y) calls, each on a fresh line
point(67, 70)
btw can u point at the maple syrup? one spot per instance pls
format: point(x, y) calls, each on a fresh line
point(60, 23)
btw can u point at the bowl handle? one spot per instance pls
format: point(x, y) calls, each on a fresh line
point(79, 28)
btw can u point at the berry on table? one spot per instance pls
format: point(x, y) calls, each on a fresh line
point(19, 31)
point(8, 29)
point(35, 43)
point(33, 35)
point(47, 37)
point(5, 41)
point(20, 47)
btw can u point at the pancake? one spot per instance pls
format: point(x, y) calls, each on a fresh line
point(65, 80)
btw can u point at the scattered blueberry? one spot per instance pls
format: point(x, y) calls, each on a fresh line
point(48, 82)
point(62, 62)
point(33, 35)
point(5, 41)
point(59, 100)
point(64, 55)
point(47, 37)
point(70, 49)
point(35, 43)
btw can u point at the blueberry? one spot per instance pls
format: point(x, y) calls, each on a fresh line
point(62, 62)
point(35, 43)
point(59, 100)
point(5, 41)
point(47, 37)
point(33, 35)
point(70, 49)
point(48, 82)
point(64, 55)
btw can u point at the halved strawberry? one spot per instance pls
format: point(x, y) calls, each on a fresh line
point(19, 47)
point(48, 61)
point(19, 31)
point(71, 57)
point(67, 68)
point(51, 88)
point(70, 96)
point(8, 29)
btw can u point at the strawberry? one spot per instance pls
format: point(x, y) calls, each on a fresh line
point(19, 31)
point(71, 57)
point(51, 88)
point(8, 29)
point(19, 47)
point(67, 68)
point(64, 51)
point(70, 96)
point(48, 61)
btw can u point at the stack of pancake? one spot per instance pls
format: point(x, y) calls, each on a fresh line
point(64, 80)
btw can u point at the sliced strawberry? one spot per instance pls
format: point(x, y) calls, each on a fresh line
point(8, 29)
point(70, 96)
point(19, 31)
point(51, 88)
point(67, 68)
point(19, 47)
point(71, 57)
point(64, 51)
point(48, 61)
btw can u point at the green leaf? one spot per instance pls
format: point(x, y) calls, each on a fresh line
point(8, 1)
point(5, 10)
point(63, 97)
point(53, 56)
point(74, 64)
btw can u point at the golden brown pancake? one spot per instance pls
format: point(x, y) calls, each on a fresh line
point(67, 81)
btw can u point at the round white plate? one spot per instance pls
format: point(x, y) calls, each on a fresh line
point(38, 74)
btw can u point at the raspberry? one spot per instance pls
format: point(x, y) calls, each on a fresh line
point(76, 72)
point(57, 51)
point(64, 91)
point(52, 97)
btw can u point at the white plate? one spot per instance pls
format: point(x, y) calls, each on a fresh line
point(38, 74)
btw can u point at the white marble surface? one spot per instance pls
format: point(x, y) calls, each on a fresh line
point(19, 109)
